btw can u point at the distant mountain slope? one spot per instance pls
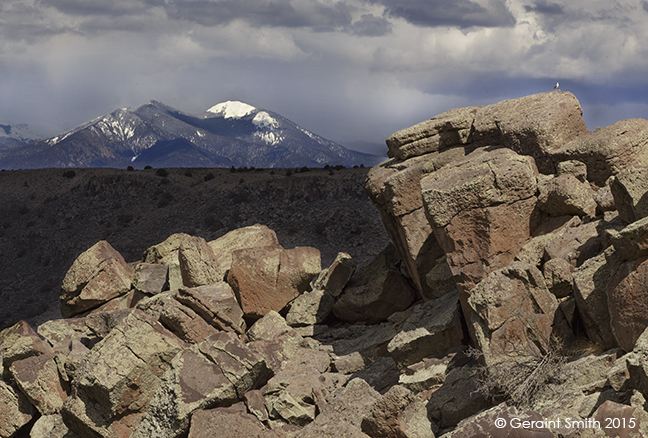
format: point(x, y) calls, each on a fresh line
point(13, 135)
point(227, 134)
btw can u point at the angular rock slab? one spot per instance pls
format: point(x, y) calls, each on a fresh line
point(631, 242)
point(216, 304)
point(15, 410)
point(534, 125)
point(396, 191)
point(483, 424)
point(198, 263)
point(399, 413)
point(223, 422)
point(510, 312)
point(119, 376)
point(310, 308)
point(267, 278)
point(151, 278)
point(566, 195)
point(482, 211)
point(377, 290)
point(51, 426)
point(446, 130)
point(343, 415)
point(609, 150)
point(96, 276)
point(247, 237)
point(17, 342)
point(180, 319)
point(433, 327)
point(627, 297)
point(38, 378)
point(335, 277)
point(450, 404)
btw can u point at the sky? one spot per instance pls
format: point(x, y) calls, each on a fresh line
point(352, 71)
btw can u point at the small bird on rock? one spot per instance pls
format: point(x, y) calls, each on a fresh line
point(556, 86)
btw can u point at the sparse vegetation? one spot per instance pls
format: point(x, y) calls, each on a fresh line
point(210, 176)
point(162, 172)
point(69, 174)
point(212, 222)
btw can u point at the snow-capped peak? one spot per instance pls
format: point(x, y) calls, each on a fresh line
point(232, 109)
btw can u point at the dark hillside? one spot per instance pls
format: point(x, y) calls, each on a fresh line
point(49, 216)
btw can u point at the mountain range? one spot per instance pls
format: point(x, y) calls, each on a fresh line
point(228, 134)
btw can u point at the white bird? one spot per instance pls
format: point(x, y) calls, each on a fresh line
point(556, 86)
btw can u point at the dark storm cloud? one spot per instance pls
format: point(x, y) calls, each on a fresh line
point(645, 6)
point(113, 8)
point(544, 7)
point(278, 13)
point(370, 25)
point(19, 22)
point(460, 13)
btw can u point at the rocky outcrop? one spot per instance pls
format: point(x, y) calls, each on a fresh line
point(503, 284)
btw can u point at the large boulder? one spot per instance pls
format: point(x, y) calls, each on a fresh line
point(400, 414)
point(241, 238)
point(447, 130)
point(38, 378)
point(151, 278)
point(511, 312)
point(433, 327)
point(629, 188)
point(269, 277)
point(119, 376)
point(566, 195)
point(96, 276)
point(198, 263)
point(632, 241)
point(166, 253)
point(481, 208)
point(376, 291)
point(609, 150)
point(535, 125)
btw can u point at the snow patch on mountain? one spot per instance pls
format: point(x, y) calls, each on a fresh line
point(271, 138)
point(265, 120)
point(232, 109)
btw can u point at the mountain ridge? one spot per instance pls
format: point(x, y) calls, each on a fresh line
point(228, 134)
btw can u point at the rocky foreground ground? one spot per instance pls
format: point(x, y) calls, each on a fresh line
point(511, 303)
